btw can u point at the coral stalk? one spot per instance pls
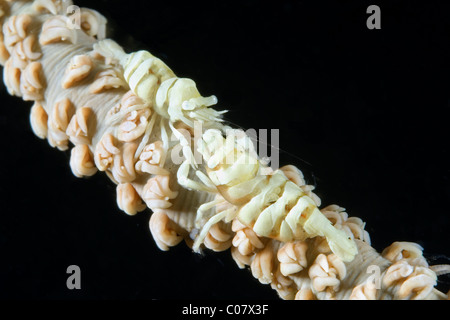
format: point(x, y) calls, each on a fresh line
point(130, 116)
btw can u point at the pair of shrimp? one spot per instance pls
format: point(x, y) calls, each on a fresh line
point(268, 202)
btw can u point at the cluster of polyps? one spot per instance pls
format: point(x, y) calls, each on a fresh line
point(118, 111)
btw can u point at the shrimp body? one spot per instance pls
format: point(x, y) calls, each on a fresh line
point(176, 99)
point(268, 202)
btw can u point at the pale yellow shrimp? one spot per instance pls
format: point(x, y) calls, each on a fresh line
point(268, 202)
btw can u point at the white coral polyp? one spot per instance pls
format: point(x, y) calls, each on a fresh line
point(32, 82)
point(327, 272)
point(128, 199)
point(123, 164)
point(106, 80)
point(78, 128)
point(15, 30)
point(11, 77)
point(292, 257)
point(78, 69)
point(38, 120)
point(93, 23)
point(82, 162)
point(133, 114)
point(23, 52)
point(157, 193)
point(58, 121)
point(57, 29)
point(105, 151)
point(150, 159)
point(164, 230)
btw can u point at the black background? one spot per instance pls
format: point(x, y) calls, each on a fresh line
point(361, 112)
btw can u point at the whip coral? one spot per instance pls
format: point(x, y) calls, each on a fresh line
point(130, 116)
